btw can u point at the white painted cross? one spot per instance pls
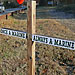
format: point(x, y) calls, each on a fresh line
point(14, 33)
point(54, 41)
point(40, 39)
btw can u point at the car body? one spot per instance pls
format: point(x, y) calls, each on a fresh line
point(21, 6)
point(50, 3)
point(2, 8)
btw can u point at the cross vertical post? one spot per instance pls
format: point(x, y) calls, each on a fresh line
point(31, 25)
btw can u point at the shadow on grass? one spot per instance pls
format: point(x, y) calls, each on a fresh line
point(20, 16)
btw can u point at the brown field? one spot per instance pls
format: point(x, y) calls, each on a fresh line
point(52, 60)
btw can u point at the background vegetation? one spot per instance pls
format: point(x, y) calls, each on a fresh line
point(10, 4)
point(70, 8)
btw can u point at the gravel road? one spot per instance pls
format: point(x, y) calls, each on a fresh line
point(65, 18)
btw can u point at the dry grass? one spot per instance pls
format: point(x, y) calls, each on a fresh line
point(52, 60)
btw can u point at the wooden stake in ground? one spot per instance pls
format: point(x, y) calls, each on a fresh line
point(31, 24)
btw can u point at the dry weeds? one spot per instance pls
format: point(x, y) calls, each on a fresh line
point(51, 60)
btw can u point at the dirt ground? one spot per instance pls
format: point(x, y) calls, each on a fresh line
point(50, 60)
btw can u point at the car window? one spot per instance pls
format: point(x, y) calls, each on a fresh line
point(1, 5)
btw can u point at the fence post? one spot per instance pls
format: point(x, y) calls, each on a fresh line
point(6, 16)
point(12, 14)
point(31, 25)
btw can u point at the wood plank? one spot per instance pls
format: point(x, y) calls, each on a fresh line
point(31, 25)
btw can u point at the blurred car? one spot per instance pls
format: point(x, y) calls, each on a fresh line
point(2, 8)
point(21, 6)
point(50, 3)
